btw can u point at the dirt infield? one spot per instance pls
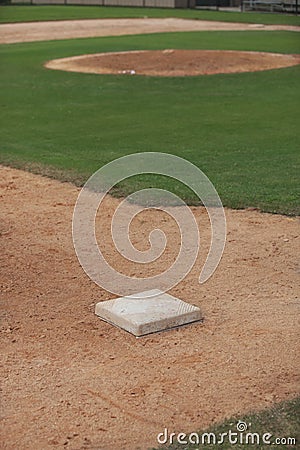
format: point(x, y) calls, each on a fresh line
point(69, 29)
point(174, 62)
point(73, 381)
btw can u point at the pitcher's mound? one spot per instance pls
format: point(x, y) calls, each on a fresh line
point(174, 63)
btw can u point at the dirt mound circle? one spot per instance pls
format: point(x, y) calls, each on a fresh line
point(174, 63)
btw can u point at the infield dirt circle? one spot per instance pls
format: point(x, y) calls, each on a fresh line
point(171, 62)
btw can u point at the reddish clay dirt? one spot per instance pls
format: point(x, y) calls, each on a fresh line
point(174, 62)
point(71, 381)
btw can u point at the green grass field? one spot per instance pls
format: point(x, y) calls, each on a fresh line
point(240, 129)
point(38, 13)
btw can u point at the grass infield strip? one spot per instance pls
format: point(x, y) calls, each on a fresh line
point(40, 13)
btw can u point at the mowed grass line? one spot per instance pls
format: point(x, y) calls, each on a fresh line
point(61, 12)
point(240, 129)
point(281, 421)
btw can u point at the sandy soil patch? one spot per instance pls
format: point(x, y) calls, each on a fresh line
point(69, 29)
point(70, 380)
point(174, 62)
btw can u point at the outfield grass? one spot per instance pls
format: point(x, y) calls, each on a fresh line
point(39, 13)
point(242, 130)
point(281, 421)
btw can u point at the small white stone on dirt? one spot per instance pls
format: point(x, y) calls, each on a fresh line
point(147, 312)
